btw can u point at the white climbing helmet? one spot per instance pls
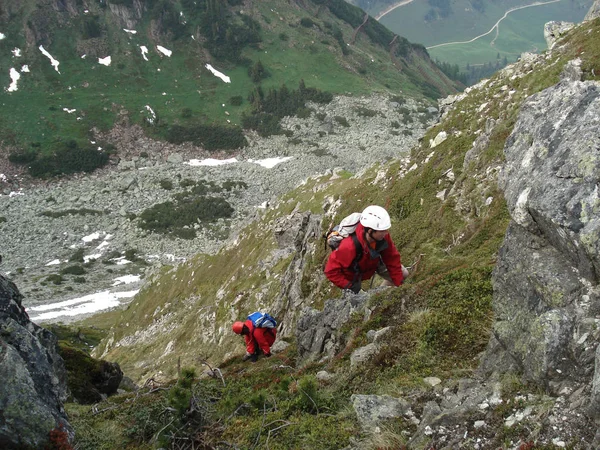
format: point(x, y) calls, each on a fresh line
point(376, 218)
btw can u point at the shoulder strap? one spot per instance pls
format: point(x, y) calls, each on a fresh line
point(359, 253)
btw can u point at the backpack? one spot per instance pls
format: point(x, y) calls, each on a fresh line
point(346, 228)
point(262, 320)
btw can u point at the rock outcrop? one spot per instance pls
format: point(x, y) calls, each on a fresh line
point(546, 292)
point(33, 376)
point(594, 11)
point(553, 31)
point(319, 333)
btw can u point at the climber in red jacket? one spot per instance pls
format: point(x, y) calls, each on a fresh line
point(347, 268)
point(256, 338)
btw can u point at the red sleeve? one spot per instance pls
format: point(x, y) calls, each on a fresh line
point(391, 259)
point(338, 269)
point(250, 347)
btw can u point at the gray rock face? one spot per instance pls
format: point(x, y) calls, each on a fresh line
point(318, 332)
point(546, 293)
point(372, 409)
point(553, 31)
point(33, 376)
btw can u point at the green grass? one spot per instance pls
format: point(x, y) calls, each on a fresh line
point(177, 84)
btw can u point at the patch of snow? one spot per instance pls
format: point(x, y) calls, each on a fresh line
point(14, 76)
point(126, 279)
point(129, 31)
point(16, 52)
point(3, 177)
point(78, 306)
point(2, 36)
point(88, 258)
point(53, 61)
point(144, 51)
point(13, 193)
point(210, 162)
point(121, 261)
point(105, 61)
point(269, 163)
point(69, 111)
point(25, 68)
point(164, 51)
point(54, 262)
point(91, 237)
point(218, 74)
point(152, 114)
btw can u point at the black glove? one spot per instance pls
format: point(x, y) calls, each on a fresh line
point(355, 286)
point(253, 358)
point(267, 355)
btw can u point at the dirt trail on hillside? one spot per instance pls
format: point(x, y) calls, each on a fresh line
point(391, 8)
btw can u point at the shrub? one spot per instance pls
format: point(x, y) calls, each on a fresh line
point(66, 212)
point(365, 112)
point(257, 72)
point(73, 270)
point(307, 22)
point(77, 256)
point(67, 158)
point(2, 219)
point(186, 113)
point(79, 280)
point(211, 137)
point(236, 100)
point(342, 121)
point(172, 216)
point(54, 278)
point(284, 37)
point(22, 157)
point(395, 124)
point(166, 184)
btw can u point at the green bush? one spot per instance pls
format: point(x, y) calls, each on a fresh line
point(173, 216)
point(54, 278)
point(22, 156)
point(342, 121)
point(236, 100)
point(73, 270)
point(365, 112)
point(307, 22)
point(67, 158)
point(211, 137)
point(2, 219)
point(75, 212)
point(166, 184)
point(268, 108)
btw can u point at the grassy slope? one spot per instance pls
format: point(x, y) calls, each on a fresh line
point(171, 84)
point(521, 31)
point(441, 317)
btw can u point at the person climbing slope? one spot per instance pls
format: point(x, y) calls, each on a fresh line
point(367, 251)
point(259, 331)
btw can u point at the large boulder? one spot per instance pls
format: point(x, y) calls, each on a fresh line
point(34, 379)
point(546, 292)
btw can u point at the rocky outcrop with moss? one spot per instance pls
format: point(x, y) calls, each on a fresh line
point(546, 292)
point(33, 376)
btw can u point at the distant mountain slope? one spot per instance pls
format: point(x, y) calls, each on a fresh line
point(433, 22)
point(70, 68)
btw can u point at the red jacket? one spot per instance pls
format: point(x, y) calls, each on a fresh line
point(261, 338)
point(339, 265)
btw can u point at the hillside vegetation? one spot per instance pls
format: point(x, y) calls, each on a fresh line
point(73, 69)
point(447, 214)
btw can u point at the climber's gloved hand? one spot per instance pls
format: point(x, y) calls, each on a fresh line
point(267, 355)
point(247, 356)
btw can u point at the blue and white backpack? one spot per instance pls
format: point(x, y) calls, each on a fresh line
point(262, 320)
